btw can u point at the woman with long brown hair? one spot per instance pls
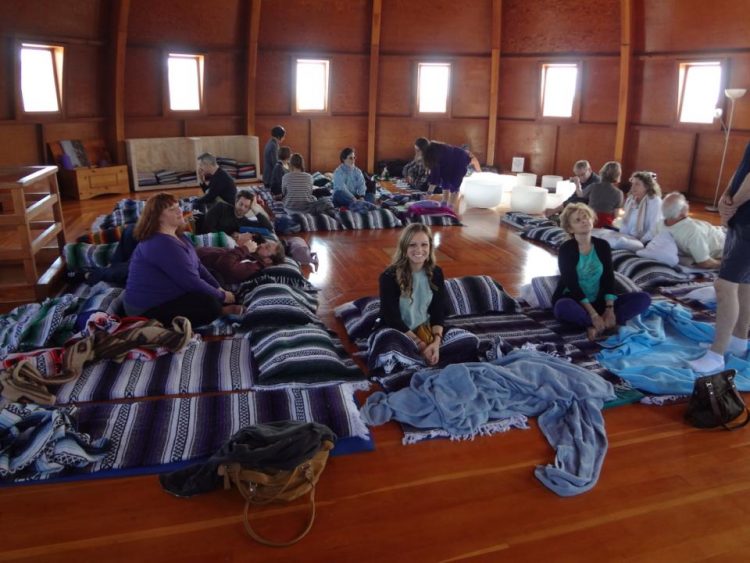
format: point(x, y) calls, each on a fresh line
point(166, 279)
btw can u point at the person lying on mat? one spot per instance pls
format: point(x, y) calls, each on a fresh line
point(230, 219)
point(235, 265)
point(297, 188)
point(585, 294)
point(165, 278)
point(642, 218)
point(698, 240)
point(448, 166)
point(348, 181)
point(412, 292)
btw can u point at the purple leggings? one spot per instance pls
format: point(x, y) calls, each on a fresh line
point(627, 306)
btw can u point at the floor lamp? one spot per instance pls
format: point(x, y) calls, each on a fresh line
point(732, 94)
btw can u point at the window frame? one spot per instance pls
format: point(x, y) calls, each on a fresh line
point(575, 110)
point(57, 51)
point(329, 73)
point(448, 113)
point(200, 58)
point(721, 102)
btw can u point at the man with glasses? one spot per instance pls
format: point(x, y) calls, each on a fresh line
point(348, 181)
point(583, 176)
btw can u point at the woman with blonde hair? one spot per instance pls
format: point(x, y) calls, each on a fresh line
point(642, 218)
point(412, 292)
point(585, 294)
point(166, 279)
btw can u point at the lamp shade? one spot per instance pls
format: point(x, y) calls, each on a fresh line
point(734, 93)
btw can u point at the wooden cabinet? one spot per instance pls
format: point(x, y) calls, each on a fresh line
point(180, 154)
point(32, 234)
point(85, 183)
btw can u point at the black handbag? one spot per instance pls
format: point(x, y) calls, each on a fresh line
point(716, 402)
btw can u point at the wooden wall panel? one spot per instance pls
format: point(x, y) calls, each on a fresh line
point(396, 86)
point(84, 81)
point(472, 132)
point(224, 84)
point(439, 27)
point(151, 128)
point(561, 26)
point(53, 18)
point(599, 90)
point(328, 135)
point(214, 126)
point(668, 153)
point(350, 79)
point(595, 143)
point(470, 87)
point(297, 133)
point(333, 26)
point(20, 144)
point(143, 82)
point(188, 25)
point(654, 90)
point(394, 137)
point(72, 130)
point(273, 90)
point(534, 141)
point(739, 77)
point(708, 161)
point(7, 78)
point(690, 25)
point(520, 81)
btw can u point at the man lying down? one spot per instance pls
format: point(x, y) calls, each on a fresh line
point(231, 266)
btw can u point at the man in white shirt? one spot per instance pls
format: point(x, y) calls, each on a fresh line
point(700, 240)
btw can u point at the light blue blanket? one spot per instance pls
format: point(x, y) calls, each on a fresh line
point(652, 352)
point(462, 397)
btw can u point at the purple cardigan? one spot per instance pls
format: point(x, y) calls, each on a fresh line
point(163, 268)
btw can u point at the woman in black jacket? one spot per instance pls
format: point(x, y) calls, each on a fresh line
point(412, 292)
point(585, 295)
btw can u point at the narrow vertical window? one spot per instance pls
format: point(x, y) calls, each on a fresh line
point(700, 85)
point(41, 78)
point(558, 89)
point(312, 85)
point(433, 87)
point(185, 75)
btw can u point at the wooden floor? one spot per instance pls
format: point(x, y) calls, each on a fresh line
point(667, 492)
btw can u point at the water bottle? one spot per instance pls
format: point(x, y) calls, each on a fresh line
point(385, 175)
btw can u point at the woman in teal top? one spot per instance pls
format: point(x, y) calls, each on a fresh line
point(585, 295)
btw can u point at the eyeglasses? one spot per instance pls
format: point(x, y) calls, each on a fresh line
point(351, 157)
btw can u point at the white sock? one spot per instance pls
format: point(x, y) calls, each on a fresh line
point(710, 362)
point(737, 346)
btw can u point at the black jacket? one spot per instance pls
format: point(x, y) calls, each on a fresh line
point(567, 261)
point(220, 185)
point(390, 293)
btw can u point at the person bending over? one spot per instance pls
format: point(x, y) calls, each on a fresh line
point(166, 279)
point(698, 240)
point(216, 183)
point(229, 219)
point(415, 173)
point(348, 181)
point(447, 165)
point(585, 295)
point(642, 218)
point(297, 188)
point(733, 284)
point(412, 292)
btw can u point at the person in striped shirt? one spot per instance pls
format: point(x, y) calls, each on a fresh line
point(297, 187)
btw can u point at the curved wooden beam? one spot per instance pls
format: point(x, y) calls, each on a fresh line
point(118, 47)
point(372, 109)
point(497, 26)
point(626, 57)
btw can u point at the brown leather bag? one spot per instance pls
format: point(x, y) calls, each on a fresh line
point(274, 485)
point(716, 402)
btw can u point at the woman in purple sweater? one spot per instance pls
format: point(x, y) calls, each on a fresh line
point(447, 165)
point(166, 279)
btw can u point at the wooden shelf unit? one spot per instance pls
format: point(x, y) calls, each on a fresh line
point(181, 153)
point(32, 234)
point(85, 182)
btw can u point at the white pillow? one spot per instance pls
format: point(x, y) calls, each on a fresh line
point(662, 248)
point(618, 241)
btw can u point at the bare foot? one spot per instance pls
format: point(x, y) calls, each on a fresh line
point(591, 333)
point(232, 310)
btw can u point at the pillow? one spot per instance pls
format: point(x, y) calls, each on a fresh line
point(221, 240)
point(550, 235)
point(476, 295)
point(524, 220)
point(374, 219)
point(287, 273)
point(645, 273)
point(359, 316)
point(538, 294)
point(662, 248)
point(301, 354)
point(314, 221)
point(618, 241)
point(80, 255)
point(434, 220)
point(277, 305)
